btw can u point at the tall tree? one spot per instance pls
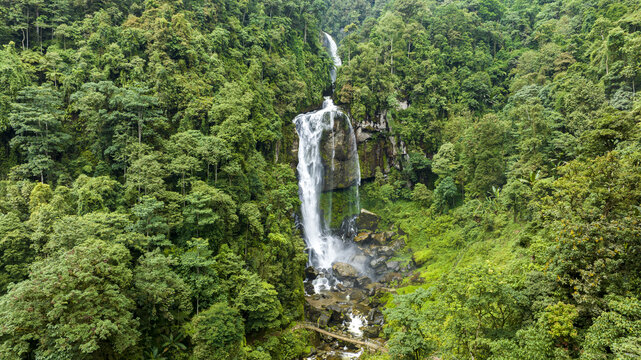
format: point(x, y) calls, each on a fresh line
point(35, 118)
point(73, 306)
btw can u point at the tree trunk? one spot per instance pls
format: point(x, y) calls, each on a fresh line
point(139, 129)
point(182, 183)
point(391, 56)
point(38, 30)
point(607, 69)
point(27, 27)
point(276, 152)
point(197, 297)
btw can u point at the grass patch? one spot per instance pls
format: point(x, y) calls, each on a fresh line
point(440, 243)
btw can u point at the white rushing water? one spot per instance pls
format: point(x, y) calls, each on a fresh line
point(356, 322)
point(333, 51)
point(324, 248)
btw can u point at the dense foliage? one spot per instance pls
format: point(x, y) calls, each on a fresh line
point(519, 192)
point(146, 196)
point(147, 200)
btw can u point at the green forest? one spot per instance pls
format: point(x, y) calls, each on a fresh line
point(149, 201)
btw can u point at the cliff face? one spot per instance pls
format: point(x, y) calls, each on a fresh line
point(376, 146)
point(371, 141)
point(339, 152)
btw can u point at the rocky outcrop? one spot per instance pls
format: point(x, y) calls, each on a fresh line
point(373, 142)
point(367, 220)
point(339, 154)
point(338, 205)
point(344, 271)
point(377, 148)
point(363, 237)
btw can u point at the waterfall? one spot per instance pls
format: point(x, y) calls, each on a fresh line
point(317, 165)
point(324, 247)
point(333, 51)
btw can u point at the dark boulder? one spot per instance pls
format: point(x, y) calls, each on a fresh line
point(372, 332)
point(311, 273)
point(367, 220)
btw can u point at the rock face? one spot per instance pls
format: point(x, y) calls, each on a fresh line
point(367, 220)
point(338, 205)
point(344, 271)
point(376, 147)
point(340, 155)
point(362, 237)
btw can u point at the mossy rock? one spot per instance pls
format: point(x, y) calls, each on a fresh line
point(367, 220)
point(338, 205)
point(422, 256)
point(363, 237)
point(339, 155)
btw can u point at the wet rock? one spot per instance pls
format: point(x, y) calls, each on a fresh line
point(377, 262)
point(359, 259)
point(348, 283)
point(372, 331)
point(339, 155)
point(337, 313)
point(309, 287)
point(311, 273)
point(363, 281)
point(374, 316)
point(344, 271)
point(383, 238)
point(323, 319)
point(373, 288)
point(375, 301)
point(340, 287)
point(357, 295)
point(379, 238)
point(390, 277)
point(312, 313)
point(386, 251)
point(367, 220)
point(369, 252)
point(363, 237)
point(398, 244)
point(393, 265)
